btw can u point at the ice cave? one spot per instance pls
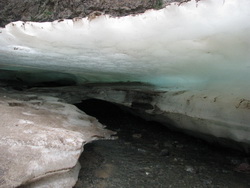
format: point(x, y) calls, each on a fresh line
point(186, 65)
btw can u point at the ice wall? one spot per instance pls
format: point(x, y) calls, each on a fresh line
point(194, 45)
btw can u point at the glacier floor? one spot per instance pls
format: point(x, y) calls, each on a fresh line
point(149, 155)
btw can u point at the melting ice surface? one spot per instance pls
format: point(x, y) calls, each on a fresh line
point(204, 45)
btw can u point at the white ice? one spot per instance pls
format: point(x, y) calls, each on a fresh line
point(194, 45)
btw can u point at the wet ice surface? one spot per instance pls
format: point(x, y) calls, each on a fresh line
point(147, 154)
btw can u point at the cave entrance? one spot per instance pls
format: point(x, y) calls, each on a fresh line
point(147, 154)
point(118, 118)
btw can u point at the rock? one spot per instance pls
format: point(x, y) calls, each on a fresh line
point(39, 10)
point(141, 150)
point(41, 139)
point(207, 182)
point(167, 145)
point(243, 167)
point(105, 171)
point(62, 180)
point(137, 136)
point(164, 152)
point(190, 169)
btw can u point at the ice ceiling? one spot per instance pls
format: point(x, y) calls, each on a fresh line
point(194, 45)
point(202, 48)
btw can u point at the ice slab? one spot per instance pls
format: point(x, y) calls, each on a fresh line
point(194, 45)
point(213, 116)
point(41, 140)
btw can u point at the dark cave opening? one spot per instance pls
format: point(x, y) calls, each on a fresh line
point(117, 118)
point(120, 119)
point(148, 154)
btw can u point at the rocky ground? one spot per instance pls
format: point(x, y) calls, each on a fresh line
point(148, 155)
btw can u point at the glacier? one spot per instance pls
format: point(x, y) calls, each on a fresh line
point(195, 55)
